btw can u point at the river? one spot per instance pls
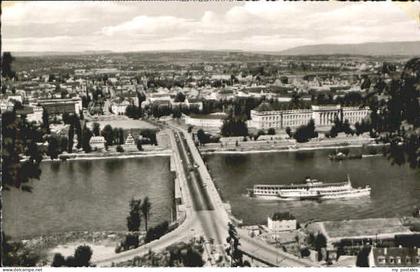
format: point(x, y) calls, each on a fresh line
point(90, 195)
point(395, 189)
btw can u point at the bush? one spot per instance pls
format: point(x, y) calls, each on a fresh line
point(139, 146)
point(271, 131)
point(304, 133)
point(305, 252)
point(82, 256)
point(234, 127)
point(131, 241)
point(150, 134)
point(156, 232)
point(58, 260)
point(120, 149)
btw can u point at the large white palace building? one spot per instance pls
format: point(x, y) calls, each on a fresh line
point(264, 116)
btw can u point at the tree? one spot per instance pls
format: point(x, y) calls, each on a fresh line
point(96, 129)
point(78, 128)
point(133, 112)
point(67, 118)
point(139, 146)
point(232, 250)
point(289, 131)
point(56, 145)
point(180, 97)
point(203, 138)
point(45, 121)
point(6, 66)
point(192, 258)
point(320, 242)
point(271, 131)
point(71, 138)
point(295, 102)
point(16, 255)
point(64, 142)
point(20, 138)
point(306, 132)
point(134, 217)
point(362, 259)
point(156, 232)
point(141, 97)
point(398, 121)
point(284, 79)
point(119, 149)
point(58, 260)
point(86, 135)
point(121, 136)
point(115, 135)
point(176, 113)
point(234, 127)
point(82, 256)
point(145, 210)
point(108, 135)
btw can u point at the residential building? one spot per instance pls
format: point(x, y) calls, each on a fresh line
point(97, 142)
point(214, 120)
point(119, 107)
point(394, 257)
point(349, 236)
point(59, 106)
point(281, 222)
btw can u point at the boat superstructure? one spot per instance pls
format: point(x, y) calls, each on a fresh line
point(312, 189)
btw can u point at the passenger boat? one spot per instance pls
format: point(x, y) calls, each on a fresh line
point(312, 189)
point(341, 156)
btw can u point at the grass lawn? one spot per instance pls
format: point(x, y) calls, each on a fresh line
point(125, 124)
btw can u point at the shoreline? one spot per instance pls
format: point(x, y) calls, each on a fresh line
point(288, 149)
point(101, 156)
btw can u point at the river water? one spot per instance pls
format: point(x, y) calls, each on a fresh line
point(395, 189)
point(88, 196)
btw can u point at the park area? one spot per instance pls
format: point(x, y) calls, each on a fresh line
point(125, 124)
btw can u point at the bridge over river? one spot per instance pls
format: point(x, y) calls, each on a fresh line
point(205, 213)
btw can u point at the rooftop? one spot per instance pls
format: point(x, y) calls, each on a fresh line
point(217, 115)
point(282, 216)
point(357, 228)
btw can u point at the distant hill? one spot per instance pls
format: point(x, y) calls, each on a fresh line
point(58, 53)
point(373, 49)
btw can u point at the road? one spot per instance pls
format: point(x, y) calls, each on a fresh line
point(205, 213)
point(218, 218)
point(201, 217)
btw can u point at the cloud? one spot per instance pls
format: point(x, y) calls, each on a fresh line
point(128, 26)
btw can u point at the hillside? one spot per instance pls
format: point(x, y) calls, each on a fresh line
point(375, 49)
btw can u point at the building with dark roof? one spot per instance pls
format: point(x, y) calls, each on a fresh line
point(394, 257)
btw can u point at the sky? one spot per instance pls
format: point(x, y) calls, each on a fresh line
point(249, 26)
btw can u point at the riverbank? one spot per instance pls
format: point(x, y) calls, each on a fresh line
point(288, 148)
point(102, 243)
point(110, 155)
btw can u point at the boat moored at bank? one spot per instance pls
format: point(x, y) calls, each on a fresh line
point(312, 189)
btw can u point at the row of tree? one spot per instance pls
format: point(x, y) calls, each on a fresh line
point(304, 133)
point(233, 127)
point(80, 258)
